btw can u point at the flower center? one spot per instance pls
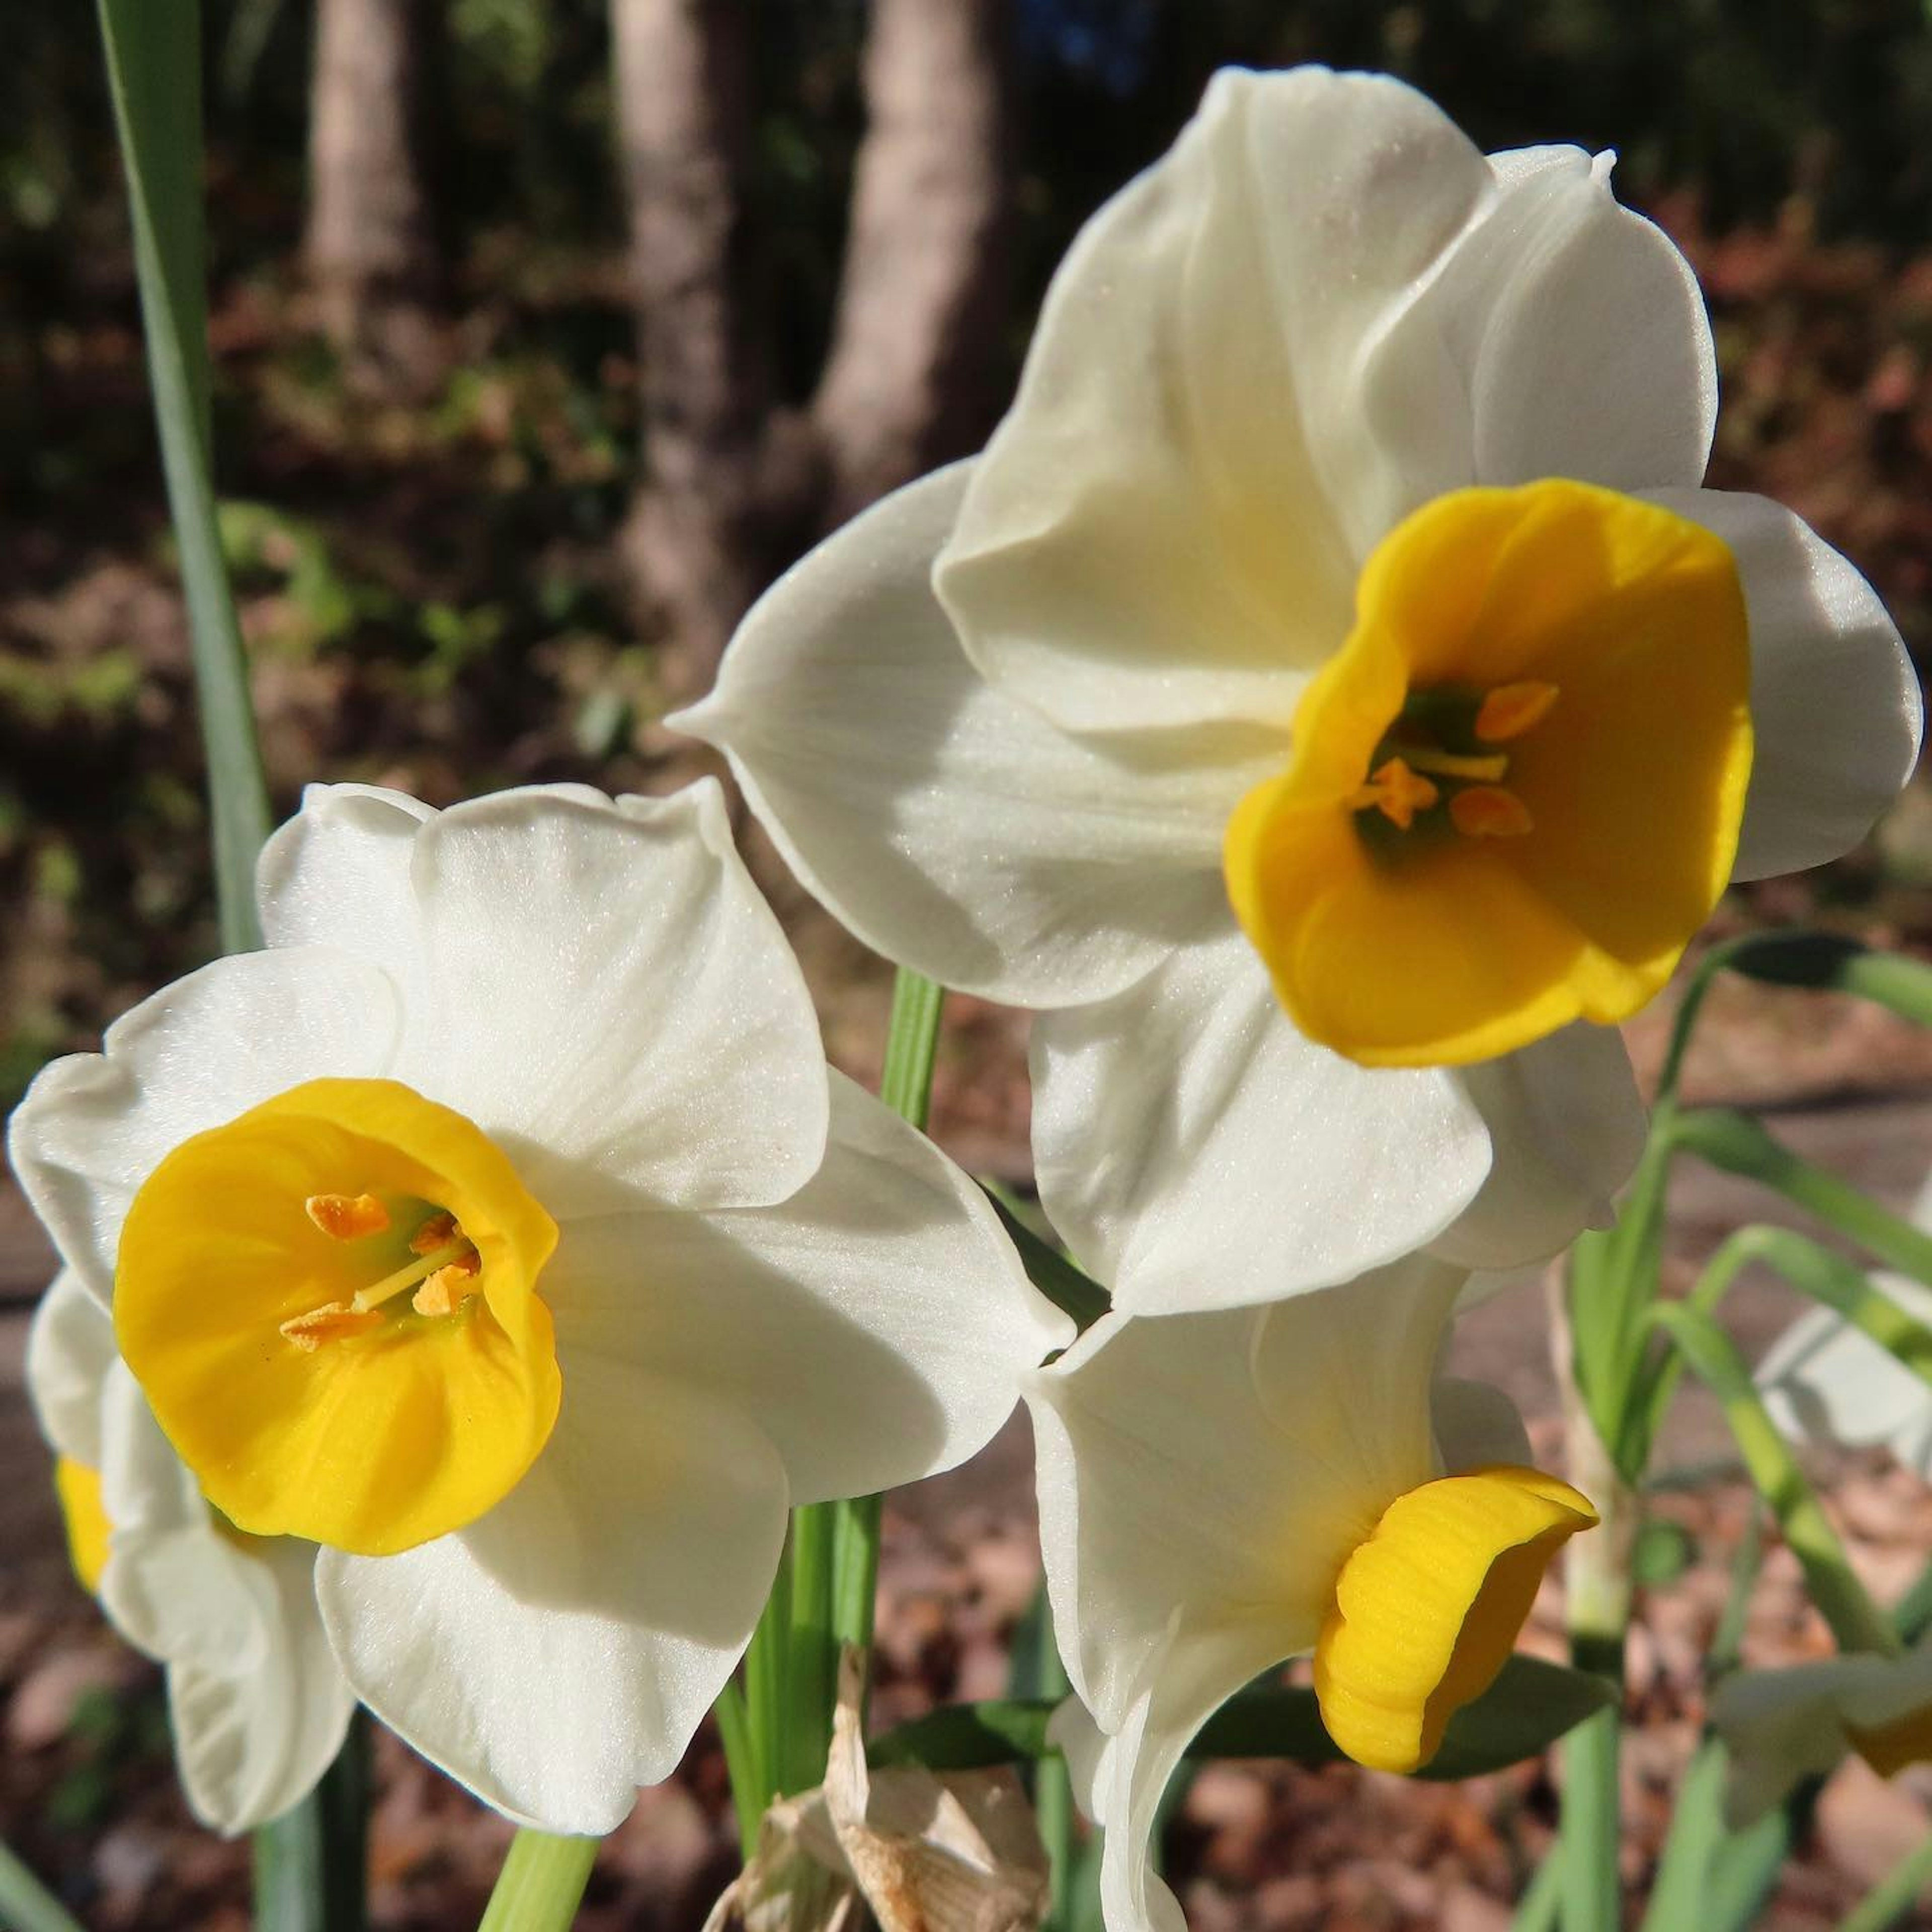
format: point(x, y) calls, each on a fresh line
point(330, 1305)
point(1428, 1608)
point(1514, 793)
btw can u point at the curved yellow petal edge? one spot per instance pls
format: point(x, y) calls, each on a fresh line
point(1514, 794)
point(1888, 1747)
point(1428, 1610)
point(330, 1303)
point(78, 1488)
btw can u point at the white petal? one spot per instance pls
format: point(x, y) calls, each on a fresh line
point(1219, 1468)
point(337, 874)
point(1780, 1727)
point(1197, 1674)
point(950, 829)
point(1568, 1127)
point(1476, 1426)
point(1167, 527)
point(1835, 702)
point(1824, 1380)
point(70, 1350)
point(1565, 336)
point(611, 998)
point(561, 1651)
point(1196, 1152)
point(94, 1126)
point(875, 1326)
point(251, 1745)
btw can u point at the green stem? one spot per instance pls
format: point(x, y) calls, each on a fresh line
point(812, 1655)
point(1856, 1621)
point(734, 1733)
point(154, 71)
point(1541, 1906)
point(26, 1904)
point(1050, 1271)
point(311, 1864)
point(542, 1884)
point(1895, 1894)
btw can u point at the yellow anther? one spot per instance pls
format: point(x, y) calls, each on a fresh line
point(447, 1288)
point(1396, 793)
point(1488, 811)
point(346, 1217)
point(333, 1321)
point(438, 1231)
point(1511, 709)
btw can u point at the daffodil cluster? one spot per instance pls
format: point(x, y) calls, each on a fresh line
point(1331, 704)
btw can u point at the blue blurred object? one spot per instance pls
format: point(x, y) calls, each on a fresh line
point(1106, 42)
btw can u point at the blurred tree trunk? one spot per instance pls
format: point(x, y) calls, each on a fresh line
point(698, 540)
point(371, 248)
point(734, 486)
point(915, 341)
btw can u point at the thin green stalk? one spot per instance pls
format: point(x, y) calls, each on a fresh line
point(912, 1044)
point(1739, 1144)
point(766, 1659)
point(153, 70)
point(542, 1884)
point(311, 1864)
point(26, 1904)
point(1895, 1894)
point(1541, 1906)
point(811, 1654)
point(1856, 1621)
point(1038, 1673)
point(734, 1733)
point(1050, 1271)
point(1814, 1271)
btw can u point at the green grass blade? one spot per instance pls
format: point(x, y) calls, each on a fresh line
point(26, 1904)
point(153, 69)
point(1895, 1894)
point(310, 1864)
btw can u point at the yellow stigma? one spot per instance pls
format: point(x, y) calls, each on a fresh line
point(1890, 1747)
point(1514, 793)
point(78, 1488)
point(331, 1306)
point(1428, 1608)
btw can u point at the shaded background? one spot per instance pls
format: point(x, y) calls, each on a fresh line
point(546, 331)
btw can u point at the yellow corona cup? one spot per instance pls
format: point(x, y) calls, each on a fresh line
point(1515, 792)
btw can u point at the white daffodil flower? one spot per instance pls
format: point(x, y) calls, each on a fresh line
point(1826, 1381)
point(501, 1230)
point(1783, 1726)
point(1220, 1491)
point(256, 1702)
point(1330, 692)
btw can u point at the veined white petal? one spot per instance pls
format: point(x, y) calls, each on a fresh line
point(1781, 1727)
point(876, 1326)
point(1562, 336)
point(70, 1350)
point(952, 830)
point(1476, 1426)
point(94, 1126)
point(259, 1707)
point(1567, 1125)
point(560, 1652)
point(610, 999)
point(1167, 527)
point(1196, 1675)
point(1825, 1380)
point(1196, 1152)
point(1835, 702)
point(1148, 1514)
point(250, 1745)
point(338, 873)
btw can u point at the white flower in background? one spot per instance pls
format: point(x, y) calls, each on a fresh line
point(502, 1231)
point(1329, 692)
point(1824, 1380)
point(1783, 1727)
point(1220, 1491)
point(256, 1702)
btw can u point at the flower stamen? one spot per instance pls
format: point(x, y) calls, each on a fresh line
point(1510, 709)
point(450, 1286)
point(1394, 790)
point(346, 1217)
point(1489, 811)
point(333, 1321)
